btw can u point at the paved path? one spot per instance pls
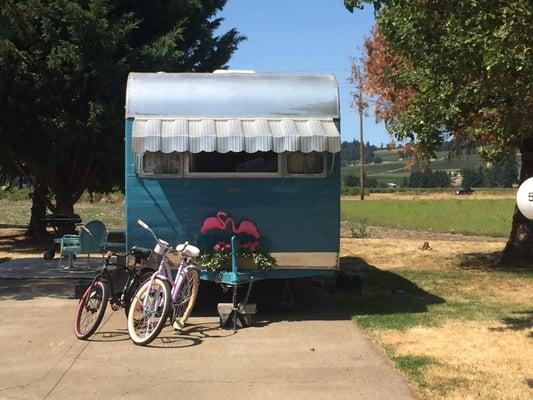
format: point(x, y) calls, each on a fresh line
point(312, 353)
point(38, 268)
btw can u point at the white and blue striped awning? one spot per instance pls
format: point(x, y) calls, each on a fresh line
point(236, 135)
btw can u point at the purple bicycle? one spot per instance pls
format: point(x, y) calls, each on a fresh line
point(162, 297)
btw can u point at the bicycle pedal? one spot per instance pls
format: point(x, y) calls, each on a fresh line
point(115, 307)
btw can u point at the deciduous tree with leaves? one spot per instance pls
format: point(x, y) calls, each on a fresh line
point(468, 67)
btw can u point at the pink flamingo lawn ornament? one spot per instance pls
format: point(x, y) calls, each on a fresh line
point(221, 222)
point(212, 223)
point(245, 226)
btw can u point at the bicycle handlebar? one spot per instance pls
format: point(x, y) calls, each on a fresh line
point(158, 241)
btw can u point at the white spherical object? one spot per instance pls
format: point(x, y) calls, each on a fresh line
point(524, 198)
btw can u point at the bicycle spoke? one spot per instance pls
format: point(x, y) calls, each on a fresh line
point(148, 316)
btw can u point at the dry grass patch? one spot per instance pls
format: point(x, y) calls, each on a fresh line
point(454, 322)
point(398, 253)
point(475, 360)
point(13, 244)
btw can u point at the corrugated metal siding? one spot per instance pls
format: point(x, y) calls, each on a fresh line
point(224, 135)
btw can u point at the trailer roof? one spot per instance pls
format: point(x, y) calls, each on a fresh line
point(233, 112)
point(232, 95)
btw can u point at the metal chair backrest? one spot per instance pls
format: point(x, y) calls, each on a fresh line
point(99, 232)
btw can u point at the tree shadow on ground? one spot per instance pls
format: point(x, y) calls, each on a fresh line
point(384, 292)
point(15, 241)
point(489, 261)
point(30, 289)
point(480, 260)
point(520, 321)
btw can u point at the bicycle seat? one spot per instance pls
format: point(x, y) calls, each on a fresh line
point(188, 249)
point(141, 252)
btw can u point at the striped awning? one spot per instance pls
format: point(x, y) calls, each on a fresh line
point(236, 135)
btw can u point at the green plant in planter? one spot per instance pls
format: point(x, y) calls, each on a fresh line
point(213, 260)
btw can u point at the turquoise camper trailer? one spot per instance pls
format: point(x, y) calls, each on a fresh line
point(210, 156)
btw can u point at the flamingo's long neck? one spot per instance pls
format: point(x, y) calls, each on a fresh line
point(233, 228)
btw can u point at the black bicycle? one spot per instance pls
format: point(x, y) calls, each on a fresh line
point(116, 284)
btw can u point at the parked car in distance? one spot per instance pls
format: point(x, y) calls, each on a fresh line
point(464, 190)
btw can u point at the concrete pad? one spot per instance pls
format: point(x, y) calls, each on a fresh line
point(38, 268)
point(313, 353)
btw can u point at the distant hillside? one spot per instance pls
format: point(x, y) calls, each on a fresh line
point(393, 169)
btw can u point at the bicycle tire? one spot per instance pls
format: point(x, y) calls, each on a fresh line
point(188, 294)
point(130, 292)
point(93, 302)
point(137, 317)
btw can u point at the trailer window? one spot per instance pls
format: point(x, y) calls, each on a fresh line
point(245, 163)
point(305, 163)
point(158, 163)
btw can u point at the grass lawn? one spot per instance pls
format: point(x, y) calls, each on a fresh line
point(17, 213)
point(471, 217)
point(456, 331)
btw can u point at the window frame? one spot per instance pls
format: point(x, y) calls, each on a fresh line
point(237, 175)
point(139, 167)
point(322, 174)
point(184, 172)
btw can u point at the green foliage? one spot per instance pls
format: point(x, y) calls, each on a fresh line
point(502, 175)
point(473, 177)
point(359, 229)
point(215, 260)
point(497, 175)
point(428, 178)
point(353, 181)
point(352, 191)
point(63, 69)
point(350, 152)
point(377, 160)
point(470, 64)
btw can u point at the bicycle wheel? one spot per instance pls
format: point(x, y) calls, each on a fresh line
point(91, 309)
point(148, 311)
point(186, 298)
point(130, 291)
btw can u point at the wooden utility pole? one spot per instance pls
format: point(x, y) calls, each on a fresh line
point(361, 144)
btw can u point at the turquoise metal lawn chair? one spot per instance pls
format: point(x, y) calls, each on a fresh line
point(83, 243)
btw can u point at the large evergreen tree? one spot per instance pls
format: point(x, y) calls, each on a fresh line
point(63, 70)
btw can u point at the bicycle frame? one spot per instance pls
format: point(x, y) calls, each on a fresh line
point(104, 275)
point(164, 272)
point(162, 248)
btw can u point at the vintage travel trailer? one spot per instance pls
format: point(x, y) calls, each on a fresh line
point(211, 155)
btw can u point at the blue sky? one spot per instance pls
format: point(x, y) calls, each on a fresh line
point(304, 36)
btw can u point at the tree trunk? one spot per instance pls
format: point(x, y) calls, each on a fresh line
point(37, 228)
point(519, 247)
point(65, 205)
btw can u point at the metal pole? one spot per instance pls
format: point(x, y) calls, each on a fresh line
point(361, 149)
point(234, 249)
